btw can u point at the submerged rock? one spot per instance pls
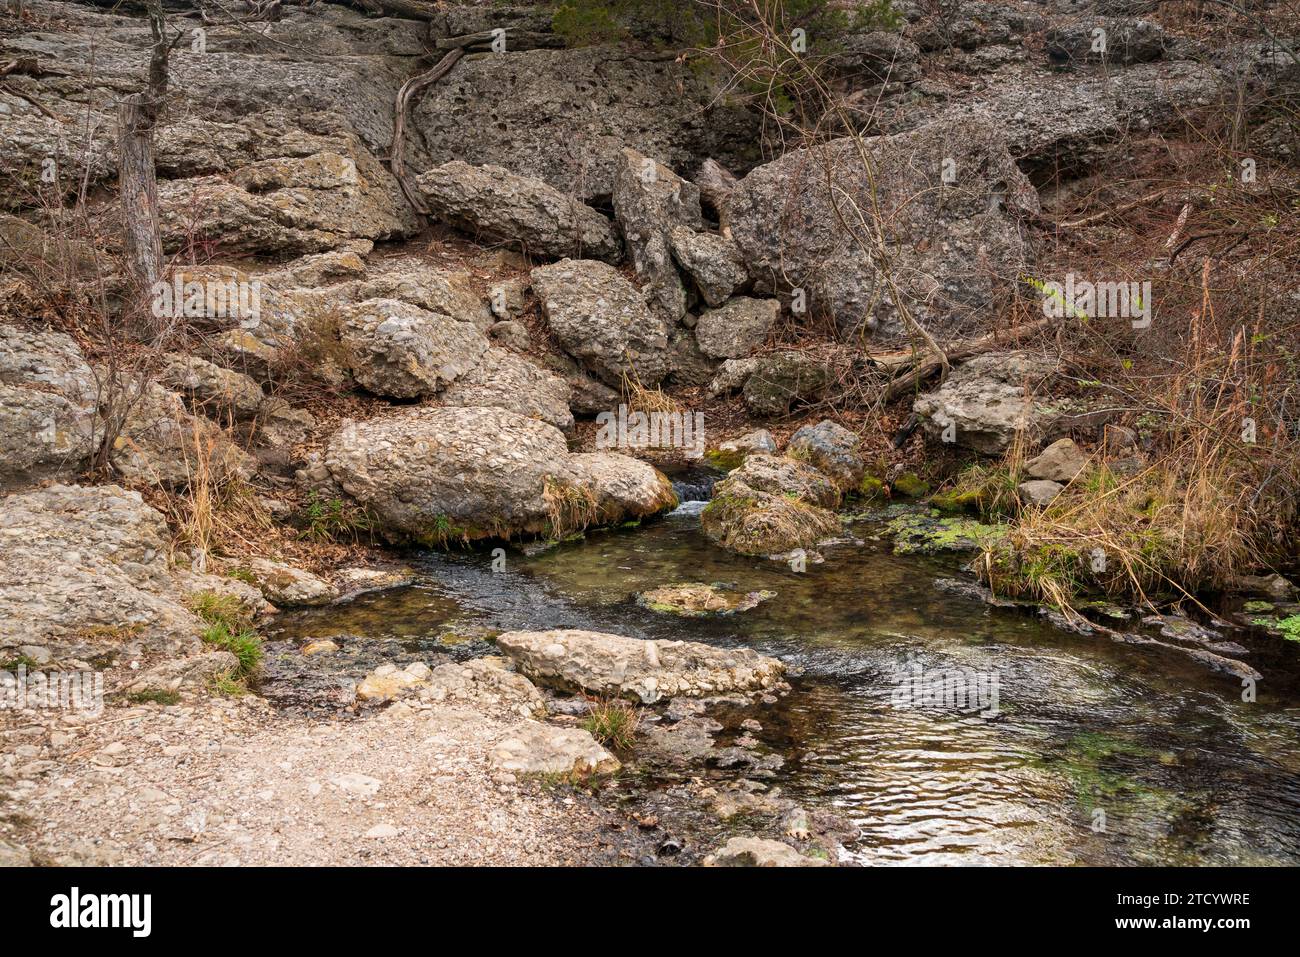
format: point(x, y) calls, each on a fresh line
point(760, 852)
point(644, 671)
point(697, 599)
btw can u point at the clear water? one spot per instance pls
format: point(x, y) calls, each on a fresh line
point(1098, 753)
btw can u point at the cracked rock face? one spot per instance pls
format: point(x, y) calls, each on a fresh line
point(650, 200)
point(504, 380)
point(644, 671)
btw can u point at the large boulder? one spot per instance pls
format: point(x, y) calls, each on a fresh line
point(948, 206)
point(503, 380)
point(777, 381)
point(987, 401)
point(650, 200)
point(48, 396)
point(161, 443)
point(496, 205)
point(602, 320)
point(562, 116)
point(398, 350)
point(760, 852)
point(433, 475)
point(771, 506)
point(219, 393)
point(644, 671)
point(737, 328)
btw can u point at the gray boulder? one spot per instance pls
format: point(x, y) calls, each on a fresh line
point(1122, 41)
point(503, 380)
point(778, 380)
point(399, 350)
point(650, 200)
point(985, 402)
point(535, 748)
point(603, 321)
point(1059, 462)
point(952, 246)
point(644, 671)
point(435, 475)
point(494, 204)
point(1039, 492)
point(711, 260)
point(218, 393)
point(771, 506)
point(760, 852)
point(734, 330)
point(285, 585)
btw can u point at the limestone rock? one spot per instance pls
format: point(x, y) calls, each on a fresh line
point(734, 330)
point(285, 585)
point(711, 260)
point(388, 682)
point(771, 506)
point(603, 321)
point(644, 671)
point(780, 379)
point(1059, 462)
point(985, 402)
point(760, 852)
point(161, 443)
point(195, 672)
point(399, 350)
point(650, 200)
point(496, 205)
point(832, 449)
point(699, 599)
point(1125, 41)
point(218, 393)
point(503, 380)
point(1039, 492)
point(534, 748)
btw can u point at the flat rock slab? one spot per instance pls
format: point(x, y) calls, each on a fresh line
point(644, 671)
point(535, 748)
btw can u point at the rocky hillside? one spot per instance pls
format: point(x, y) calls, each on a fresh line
point(421, 275)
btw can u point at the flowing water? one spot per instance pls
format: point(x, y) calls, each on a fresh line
point(1091, 752)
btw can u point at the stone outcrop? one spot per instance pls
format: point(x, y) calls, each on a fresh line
point(643, 671)
point(650, 201)
point(495, 205)
point(711, 260)
point(503, 380)
point(285, 585)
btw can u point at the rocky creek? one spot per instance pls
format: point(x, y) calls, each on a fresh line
point(1068, 748)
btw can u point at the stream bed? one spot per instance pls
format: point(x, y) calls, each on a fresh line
point(1069, 749)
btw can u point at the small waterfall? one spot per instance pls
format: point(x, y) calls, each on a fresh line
point(695, 485)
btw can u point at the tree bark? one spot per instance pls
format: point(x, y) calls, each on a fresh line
point(137, 186)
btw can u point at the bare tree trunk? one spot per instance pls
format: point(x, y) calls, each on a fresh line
point(136, 180)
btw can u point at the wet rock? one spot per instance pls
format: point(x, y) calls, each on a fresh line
point(832, 449)
point(193, 673)
point(1039, 492)
point(685, 743)
point(787, 220)
point(503, 380)
point(493, 204)
point(644, 671)
point(771, 506)
point(435, 475)
point(927, 534)
point(736, 329)
point(698, 599)
point(285, 585)
point(535, 748)
point(985, 402)
point(1272, 586)
point(322, 646)
point(760, 852)
point(711, 260)
point(779, 380)
point(1123, 41)
point(486, 685)
point(1059, 462)
point(399, 350)
point(603, 321)
point(650, 200)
